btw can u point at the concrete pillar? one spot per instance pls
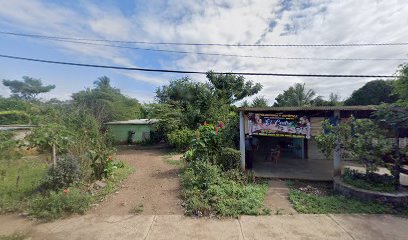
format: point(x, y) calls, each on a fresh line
point(337, 163)
point(242, 139)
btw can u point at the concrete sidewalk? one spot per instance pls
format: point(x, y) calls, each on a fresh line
point(246, 227)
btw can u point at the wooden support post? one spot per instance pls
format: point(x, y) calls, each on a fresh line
point(242, 139)
point(337, 163)
point(54, 155)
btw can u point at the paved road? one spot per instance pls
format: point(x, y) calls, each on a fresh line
point(179, 227)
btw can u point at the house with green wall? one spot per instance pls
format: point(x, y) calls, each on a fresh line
point(137, 130)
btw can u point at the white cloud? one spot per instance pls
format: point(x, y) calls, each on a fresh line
point(303, 22)
point(240, 21)
point(41, 17)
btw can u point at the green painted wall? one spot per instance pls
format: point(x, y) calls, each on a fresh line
point(120, 131)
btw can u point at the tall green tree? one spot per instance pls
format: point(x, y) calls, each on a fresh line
point(259, 101)
point(334, 100)
point(296, 95)
point(232, 88)
point(28, 89)
point(373, 93)
point(245, 104)
point(401, 84)
point(192, 99)
point(106, 103)
point(209, 101)
point(393, 119)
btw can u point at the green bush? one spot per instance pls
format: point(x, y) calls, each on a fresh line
point(181, 139)
point(59, 204)
point(8, 146)
point(206, 191)
point(45, 136)
point(201, 175)
point(372, 181)
point(101, 160)
point(63, 175)
point(233, 199)
point(231, 130)
point(13, 117)
point(208, 143)
point(229, 159)
point(239, 176)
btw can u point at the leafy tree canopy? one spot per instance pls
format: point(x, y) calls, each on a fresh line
point(106, 103)
point(7, 104)
point(245, 104)
point(372, 93)
point(296, 95)
point(334, 100)
point(259, 101)
point(210, 101)
point(232, 88)
point(28, 89)
point(401, 84)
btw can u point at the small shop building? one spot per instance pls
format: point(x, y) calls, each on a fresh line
point(282, 140)
point(132, 131)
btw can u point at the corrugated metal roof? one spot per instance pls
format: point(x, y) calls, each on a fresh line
point(134, 122)
point(309, 108)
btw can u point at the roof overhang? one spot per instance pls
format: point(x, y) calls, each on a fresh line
point(309, 108)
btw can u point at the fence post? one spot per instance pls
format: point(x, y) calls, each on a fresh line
point(54, 155)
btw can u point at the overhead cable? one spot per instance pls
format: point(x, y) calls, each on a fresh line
point(213, 54)
point(198, 72)
point(211, 44)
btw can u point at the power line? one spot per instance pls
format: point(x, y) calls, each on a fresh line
point(211, 44)
point(197, 72)
point(81, 41)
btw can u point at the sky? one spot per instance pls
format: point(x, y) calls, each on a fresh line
point(204, 21)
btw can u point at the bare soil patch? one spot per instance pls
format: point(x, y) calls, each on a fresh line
point(154, 188)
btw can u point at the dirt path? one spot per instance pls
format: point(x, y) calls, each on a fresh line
point(153, 189)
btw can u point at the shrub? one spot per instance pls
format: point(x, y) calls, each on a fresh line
point(63, 175)
point(206, 191)
point(13, 117)
point(45, 136)
point(231, 130)
point(239, 176)
point(181, 139)
point(232, 199)
point(360, 139)
point(208, 143)
point(101, 158)
point(200, 175)
point(371, 181)
point(8, 146)
point(229, 158)
point(60, 203)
